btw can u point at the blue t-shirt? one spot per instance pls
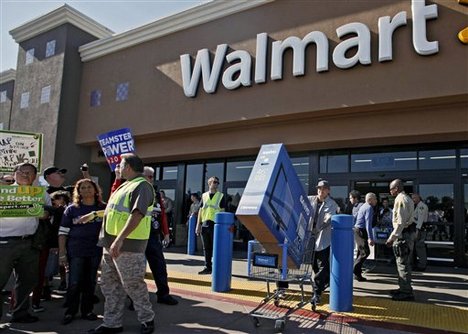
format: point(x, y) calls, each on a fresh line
point(82, 238)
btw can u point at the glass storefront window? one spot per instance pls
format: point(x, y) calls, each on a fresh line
point(214, 169)
point(194, 179)
point(464, 158)
point(239, 170)
point(389, 161)
point(440, 159)
point(169, 173)
point(440, 226)
point(465, 212)
point(157, 173)
point(340, 195)
point(334, 163)
point(301, 165)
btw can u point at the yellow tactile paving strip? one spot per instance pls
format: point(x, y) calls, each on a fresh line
point(435, 317)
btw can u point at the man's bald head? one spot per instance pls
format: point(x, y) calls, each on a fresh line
point(396, 187)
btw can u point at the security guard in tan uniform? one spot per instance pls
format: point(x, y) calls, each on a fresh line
point(402, 239)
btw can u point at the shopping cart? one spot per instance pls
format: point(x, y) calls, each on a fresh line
point(283, 301)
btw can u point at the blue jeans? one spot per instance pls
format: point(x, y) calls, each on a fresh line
point(82, 282)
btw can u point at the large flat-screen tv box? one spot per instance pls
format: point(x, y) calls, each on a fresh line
point(274, 206)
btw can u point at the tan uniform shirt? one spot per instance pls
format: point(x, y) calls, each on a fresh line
point(421, 213)
point(403, 211)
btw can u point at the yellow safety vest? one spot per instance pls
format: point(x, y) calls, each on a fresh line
point(118, 212)
point(210, 206)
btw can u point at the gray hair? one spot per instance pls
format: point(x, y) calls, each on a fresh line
point(370, 196)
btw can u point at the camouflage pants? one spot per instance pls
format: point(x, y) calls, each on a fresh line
point(121, 277)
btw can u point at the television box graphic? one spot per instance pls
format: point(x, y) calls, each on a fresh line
point(274, 206)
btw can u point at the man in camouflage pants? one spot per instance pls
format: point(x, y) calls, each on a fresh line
point(124, 236)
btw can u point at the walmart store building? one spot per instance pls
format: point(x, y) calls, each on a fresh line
point(360, 92)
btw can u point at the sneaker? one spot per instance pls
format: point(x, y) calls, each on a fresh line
point(89, 316)
point(67, 319)
point(27, 319)
point(168, 300)
point(205, 271)
point(37, 308)
point(46, 294)
point(62, 289)
point(104, 330)
point(403, 297)
point(147, 327)
point(360, 278)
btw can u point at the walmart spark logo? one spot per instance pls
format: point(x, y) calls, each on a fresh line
point(463, 34)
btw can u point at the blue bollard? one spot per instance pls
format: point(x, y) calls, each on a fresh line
point(192, 237)
point(222, 252)
point(251, 246)
point(341, 276)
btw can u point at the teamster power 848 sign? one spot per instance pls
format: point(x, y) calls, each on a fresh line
point(114, 144)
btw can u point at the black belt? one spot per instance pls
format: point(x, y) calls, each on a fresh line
point(21, 237)
point(411, 228)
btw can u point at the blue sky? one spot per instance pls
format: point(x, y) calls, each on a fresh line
point(116, 15)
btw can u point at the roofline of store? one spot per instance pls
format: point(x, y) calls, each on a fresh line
point(8, 75)
point(192, 17)
point(62, 15)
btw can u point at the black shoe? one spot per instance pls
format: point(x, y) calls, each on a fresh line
point(205, 271)
point(403, 297)
point(147, 327)
point(394, 292)
point(46, 294)
point(67, 319)
point(89, 316)
point(360, 278)
point(168, 300)
point(103, 330)
point(26, 319)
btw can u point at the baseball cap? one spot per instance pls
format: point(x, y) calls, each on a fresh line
point(53, 169)
point(323, 184)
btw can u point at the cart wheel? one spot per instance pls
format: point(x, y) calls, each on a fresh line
point(279, 325)
point(256, 322)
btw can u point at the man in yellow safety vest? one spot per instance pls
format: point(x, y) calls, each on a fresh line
point(212, 203)
point(124, 235)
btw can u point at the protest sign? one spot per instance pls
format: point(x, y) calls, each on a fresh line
point(21, 201)
point(19, 147)
point(115, 143)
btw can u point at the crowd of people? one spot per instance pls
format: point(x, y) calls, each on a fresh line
point(81, 234)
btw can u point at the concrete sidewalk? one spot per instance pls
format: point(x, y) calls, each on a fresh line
point(441, 294)
point(441, 305)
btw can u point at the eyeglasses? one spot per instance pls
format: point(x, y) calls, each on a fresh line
point(216, 182)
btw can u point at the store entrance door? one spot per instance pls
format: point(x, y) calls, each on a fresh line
point(380, 188)
point(382, 229)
